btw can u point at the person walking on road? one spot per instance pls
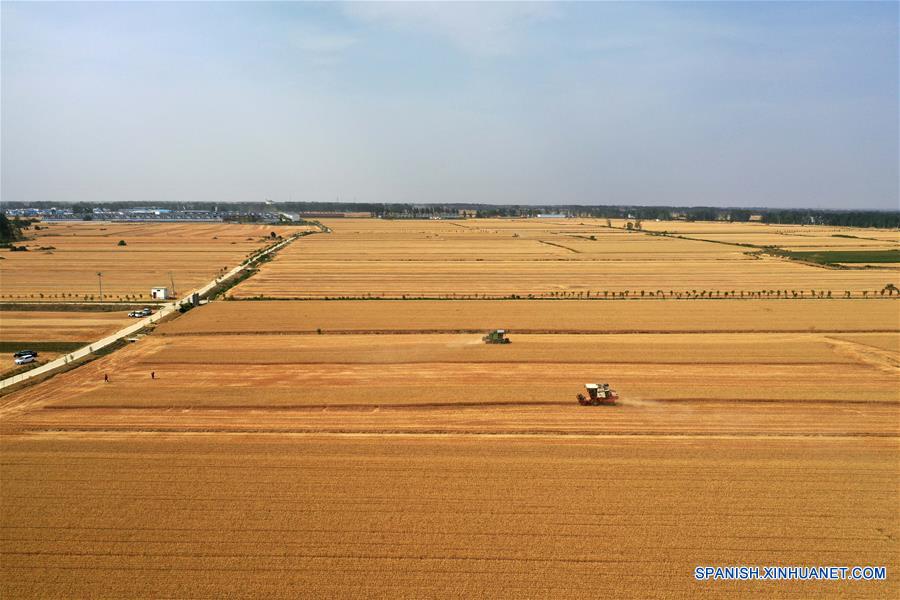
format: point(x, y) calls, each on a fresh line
point(106, 377)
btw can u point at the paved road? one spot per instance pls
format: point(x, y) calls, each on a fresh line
point(166, 309)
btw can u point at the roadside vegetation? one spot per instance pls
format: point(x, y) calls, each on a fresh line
point(61, 347)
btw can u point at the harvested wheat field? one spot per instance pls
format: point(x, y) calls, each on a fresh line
point(63, 258)
point(690, 384)
point(522, 257)
point(665, 368)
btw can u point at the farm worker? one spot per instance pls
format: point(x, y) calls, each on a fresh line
point(106, 377)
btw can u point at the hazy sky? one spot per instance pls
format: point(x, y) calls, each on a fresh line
point(758, 104)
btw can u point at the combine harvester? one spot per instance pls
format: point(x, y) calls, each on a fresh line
point(599, 394)
point(497, 336)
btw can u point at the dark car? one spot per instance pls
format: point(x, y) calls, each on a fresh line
point(22, 353)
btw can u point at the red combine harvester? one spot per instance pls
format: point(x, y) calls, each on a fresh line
point(599, 394)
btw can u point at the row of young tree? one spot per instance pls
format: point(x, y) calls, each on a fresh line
point(888, 290)
point(75, 297)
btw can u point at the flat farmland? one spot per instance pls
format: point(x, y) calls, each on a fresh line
point(52, 333)
point(695, 385)
point(417, 516)
point(61, 326)
point(64, 258)
point(378, 448)
point(646, 316)
point(788, 237)
point(502, 258)
point(747, 230)
point(660, 365)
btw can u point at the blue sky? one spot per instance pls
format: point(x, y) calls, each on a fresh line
point(731, 104)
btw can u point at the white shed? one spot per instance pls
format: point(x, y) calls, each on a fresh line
point(159, 293)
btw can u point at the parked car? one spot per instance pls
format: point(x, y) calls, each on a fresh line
point(22, 353)
point(24, 360)
point(146, 312)
point(135, 313)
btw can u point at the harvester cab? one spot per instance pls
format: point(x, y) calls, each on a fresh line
point(598, 394)
point(497, 336)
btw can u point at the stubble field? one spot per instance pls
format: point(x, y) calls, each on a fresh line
point(379, 449)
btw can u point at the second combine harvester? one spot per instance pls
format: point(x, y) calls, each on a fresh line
point(497, 336)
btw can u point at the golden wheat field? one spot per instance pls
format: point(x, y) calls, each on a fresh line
point(378, 448)
point(502, 258)
point(206, 516)
point(63, 259)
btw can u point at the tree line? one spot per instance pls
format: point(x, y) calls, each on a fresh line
point(836, 218)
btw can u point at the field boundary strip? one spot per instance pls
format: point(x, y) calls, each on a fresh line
point(427, 406)
point(493, 433)
point(516, 331)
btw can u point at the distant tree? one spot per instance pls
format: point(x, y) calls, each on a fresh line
point(9, 229)
point(122, 243)
point(608, 223)
point(629, 226)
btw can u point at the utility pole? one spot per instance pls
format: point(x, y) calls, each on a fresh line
point(172, 281)
point(100, 283)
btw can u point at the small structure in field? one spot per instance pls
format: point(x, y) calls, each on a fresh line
point(159, 293)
